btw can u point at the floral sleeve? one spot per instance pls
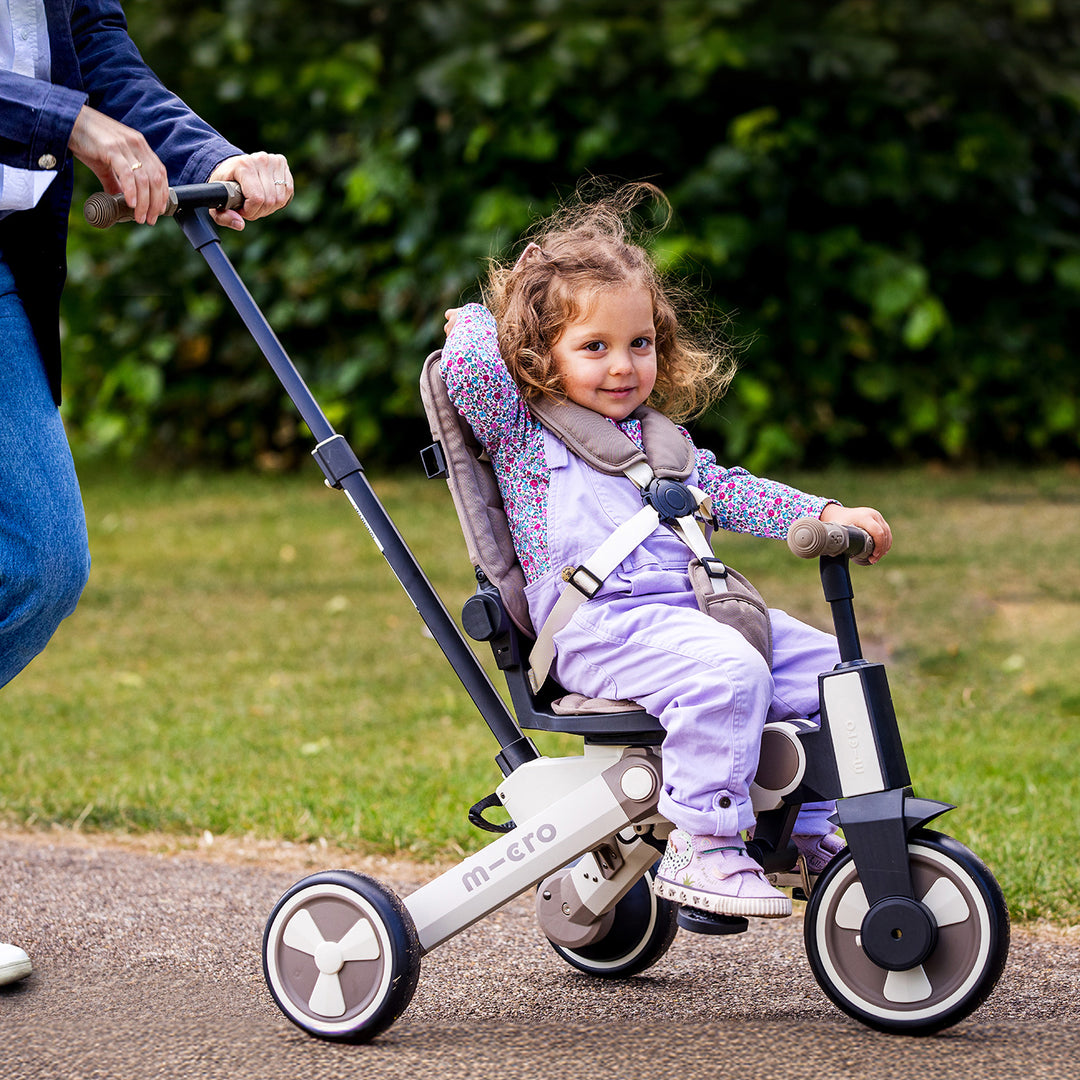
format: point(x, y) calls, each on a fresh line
point(477, 380)
point(751, 504)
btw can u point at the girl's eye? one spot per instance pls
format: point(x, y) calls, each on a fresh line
point(594, 346)
point(640, 343)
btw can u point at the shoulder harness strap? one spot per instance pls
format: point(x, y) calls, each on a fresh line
point(598, 442)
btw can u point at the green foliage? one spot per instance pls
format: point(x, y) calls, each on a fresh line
point(882, 196)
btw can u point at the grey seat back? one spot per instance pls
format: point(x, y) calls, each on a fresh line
point(476, 495)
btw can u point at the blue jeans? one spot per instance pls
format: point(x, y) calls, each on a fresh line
point(44, 554)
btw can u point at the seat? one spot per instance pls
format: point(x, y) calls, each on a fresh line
point(497, 612)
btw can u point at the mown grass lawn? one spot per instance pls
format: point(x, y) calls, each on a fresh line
point(244, 662)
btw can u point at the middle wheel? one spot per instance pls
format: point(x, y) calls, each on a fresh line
point(641, 928)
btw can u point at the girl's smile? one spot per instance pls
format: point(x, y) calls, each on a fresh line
point(607, 357)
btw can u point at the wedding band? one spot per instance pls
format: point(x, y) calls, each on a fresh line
point(137, 165)
point(279, 183)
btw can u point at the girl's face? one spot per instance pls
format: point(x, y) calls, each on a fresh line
point(607, 357)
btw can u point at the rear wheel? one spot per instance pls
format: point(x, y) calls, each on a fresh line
point(958, 925)
point(341, 956)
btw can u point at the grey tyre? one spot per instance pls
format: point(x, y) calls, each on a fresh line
point(970, 941)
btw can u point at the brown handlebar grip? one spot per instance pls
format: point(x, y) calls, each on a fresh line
point(809, 537)
point(103, 210)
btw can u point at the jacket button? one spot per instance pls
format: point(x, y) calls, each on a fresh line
point(46, 161)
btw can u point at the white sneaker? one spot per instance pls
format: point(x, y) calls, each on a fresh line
point(14, 964)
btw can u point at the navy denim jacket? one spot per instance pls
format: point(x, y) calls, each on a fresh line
point(94, 62)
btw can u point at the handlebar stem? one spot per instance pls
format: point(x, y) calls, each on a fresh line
point(836, 582)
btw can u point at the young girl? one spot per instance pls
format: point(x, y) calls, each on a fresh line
point(583, 315)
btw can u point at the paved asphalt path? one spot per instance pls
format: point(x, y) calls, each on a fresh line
point(146, 964)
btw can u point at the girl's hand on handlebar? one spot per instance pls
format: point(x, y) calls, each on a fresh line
point(265, 180)
point(866, 518)
point(121, 158)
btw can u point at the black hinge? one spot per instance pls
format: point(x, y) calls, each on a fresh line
point(336, 459)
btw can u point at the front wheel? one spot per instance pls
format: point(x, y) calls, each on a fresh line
point(969, 945)
point(341, 956)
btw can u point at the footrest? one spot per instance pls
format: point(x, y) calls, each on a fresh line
point(705, 922)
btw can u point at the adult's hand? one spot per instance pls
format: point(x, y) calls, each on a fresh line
point(265, 180)
point(121, 158)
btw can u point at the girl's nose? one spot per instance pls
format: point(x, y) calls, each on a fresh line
point(619, 362)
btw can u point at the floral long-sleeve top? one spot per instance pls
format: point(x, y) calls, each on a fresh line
point(484, 392)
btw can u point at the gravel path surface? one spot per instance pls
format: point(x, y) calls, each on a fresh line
point(146, 964)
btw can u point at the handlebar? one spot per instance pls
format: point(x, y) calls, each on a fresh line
point(808, 538)
point(103, 210)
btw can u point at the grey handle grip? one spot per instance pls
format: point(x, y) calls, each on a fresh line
point(809, 538)
point(103, 210)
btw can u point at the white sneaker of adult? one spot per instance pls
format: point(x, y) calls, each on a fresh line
point(14, 964)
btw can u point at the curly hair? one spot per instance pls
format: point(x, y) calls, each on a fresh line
point(585, 248)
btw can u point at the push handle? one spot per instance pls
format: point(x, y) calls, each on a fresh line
point(103, 210)
point(808, 538)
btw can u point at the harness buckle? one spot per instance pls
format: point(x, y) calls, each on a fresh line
point(713, 566)
point(671, 499)
point(587, 588)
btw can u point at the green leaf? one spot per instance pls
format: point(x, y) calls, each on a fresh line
point(925, 320)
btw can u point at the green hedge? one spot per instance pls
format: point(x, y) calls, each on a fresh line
point(883, 197)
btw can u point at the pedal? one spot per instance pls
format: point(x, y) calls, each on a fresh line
point(785, 879)
point(705, 922)
point(799, 880)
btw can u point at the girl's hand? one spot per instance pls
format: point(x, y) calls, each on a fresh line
point(865, 517)
point(451, 315)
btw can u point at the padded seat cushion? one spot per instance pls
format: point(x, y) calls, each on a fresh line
point(579, 705)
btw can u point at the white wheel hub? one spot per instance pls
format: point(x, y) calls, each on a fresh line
point(328, 957)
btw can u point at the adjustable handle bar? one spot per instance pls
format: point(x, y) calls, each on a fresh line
point(808, 538)
point(103, 211)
